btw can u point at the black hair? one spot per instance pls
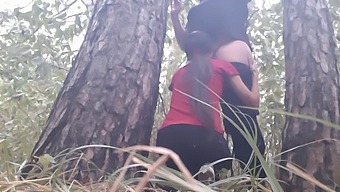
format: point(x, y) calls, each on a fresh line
point(223, 20)
point(236, 22)
point(198, 48)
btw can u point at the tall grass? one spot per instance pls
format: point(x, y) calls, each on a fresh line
point(156, 174)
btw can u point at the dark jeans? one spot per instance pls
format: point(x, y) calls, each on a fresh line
point(242, 149)
point(195, 146)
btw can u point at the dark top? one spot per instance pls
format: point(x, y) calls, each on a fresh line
point(231, 97)
point(220, 19)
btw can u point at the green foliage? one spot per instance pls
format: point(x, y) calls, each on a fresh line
point(35, 54)
point(266, 36)
point(37, 44)
point(334, 6)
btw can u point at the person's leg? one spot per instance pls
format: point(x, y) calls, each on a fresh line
point(219, 150)
point(242, 149)
point(261, 146)
point(172, 137)
point(183, 140)
point(195, 145)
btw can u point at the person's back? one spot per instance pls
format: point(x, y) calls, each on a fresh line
point(180, 111)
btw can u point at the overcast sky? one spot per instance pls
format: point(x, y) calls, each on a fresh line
point(11, 4)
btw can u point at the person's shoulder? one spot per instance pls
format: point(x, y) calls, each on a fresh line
point(179, 71)
point(235, 51)
point(174, 79)
point(238, 44)
point(220, 64)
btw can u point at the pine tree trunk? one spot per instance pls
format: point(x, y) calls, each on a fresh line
point(110, 93)
point(312, 88)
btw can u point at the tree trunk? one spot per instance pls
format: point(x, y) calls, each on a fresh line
point(110, 93)
point(312, 88)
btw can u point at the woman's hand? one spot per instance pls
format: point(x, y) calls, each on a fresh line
point(253, 66)
point(176, 7)
point(248, 97)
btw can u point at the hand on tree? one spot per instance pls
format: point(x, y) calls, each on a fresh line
point(176, 7)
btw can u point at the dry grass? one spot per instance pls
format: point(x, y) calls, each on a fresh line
point(156, 174)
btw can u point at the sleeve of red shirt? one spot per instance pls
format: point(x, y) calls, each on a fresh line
point(228, 68)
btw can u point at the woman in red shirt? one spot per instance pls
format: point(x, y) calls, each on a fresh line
point(225, 21)
point(193, 127)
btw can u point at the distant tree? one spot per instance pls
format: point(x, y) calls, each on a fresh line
point(110, 93)
point(312, 88)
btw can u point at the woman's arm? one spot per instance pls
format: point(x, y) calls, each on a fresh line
point(238, 51)
point(251, 97)
point(178, 28)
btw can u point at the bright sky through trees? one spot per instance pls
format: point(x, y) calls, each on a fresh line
point(11, 4)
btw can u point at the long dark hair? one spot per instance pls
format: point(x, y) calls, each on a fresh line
point(235, 24)
point(227, 22)
point(198, 48)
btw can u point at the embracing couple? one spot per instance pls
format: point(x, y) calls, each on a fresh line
point(220, 77)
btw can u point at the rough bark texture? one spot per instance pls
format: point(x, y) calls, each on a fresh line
point(110, 94)
point(312, 88)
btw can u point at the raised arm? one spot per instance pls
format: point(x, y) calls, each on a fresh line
point(176, 8)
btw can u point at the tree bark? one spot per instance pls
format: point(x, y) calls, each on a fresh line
point(110, 93)
point(312, 88)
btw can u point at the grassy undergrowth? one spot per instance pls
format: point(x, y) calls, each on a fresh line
point(156, 174)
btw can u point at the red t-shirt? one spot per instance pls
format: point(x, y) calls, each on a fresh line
point(180, 108)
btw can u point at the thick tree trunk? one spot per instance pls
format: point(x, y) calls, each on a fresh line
point(312, 88)
point(110, 94)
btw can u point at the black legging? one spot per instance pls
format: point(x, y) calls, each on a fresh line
point(195, 146)
point(242, 149)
